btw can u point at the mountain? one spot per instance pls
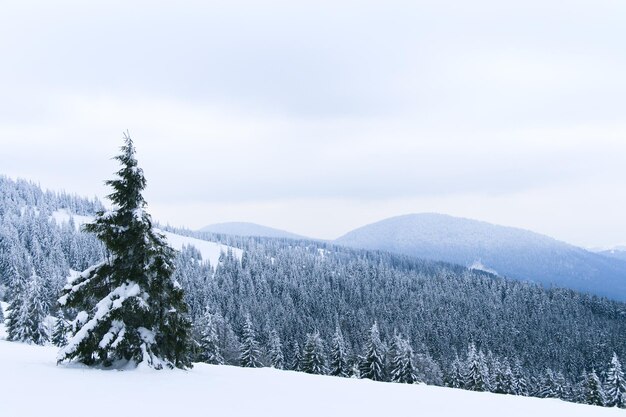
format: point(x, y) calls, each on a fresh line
point(507, 251)
point(248, 229)
point(219, 390)
point(618, 252)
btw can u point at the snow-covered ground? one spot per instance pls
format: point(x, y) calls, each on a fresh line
point(63, 216)
point(210, 251)
point(32, 385)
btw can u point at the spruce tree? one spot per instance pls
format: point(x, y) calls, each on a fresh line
point(275, 350)
point(561, 387)
point(615, 386)
point(476, 372)
point(593, 392)
point(249, 346)
point(338, 356)
point(131, 310)
point(314, 360)
point(454, 377)
point(59, 335)
point(520, 381)
point(373, 362)
point(503, 379)
point(208, 345)
point(296, 357)
point(17, 311)
point(547, 385)
point(29, 309)
point(402, 368)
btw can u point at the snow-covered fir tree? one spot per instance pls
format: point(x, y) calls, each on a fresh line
point(520, 382)
point(17, 322)
point(476, 371)
point(562, 389)
point(314, 358)
point(275, 351)
point(592, 390)
point(131, 310)
point(402, 368)
point(373, 361)
point(296, 357)
point(60, 332)
point(338, 355)
point(615, 384)
point(547, 388)
point(503, 378)
point(454, 377)
point(208, 345)
point(28, 310)
point(250, 352)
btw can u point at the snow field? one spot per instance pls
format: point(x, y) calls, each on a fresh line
point(32, 385)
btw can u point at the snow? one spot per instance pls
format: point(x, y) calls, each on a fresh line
point(63, 216)
point(479, 266)
point(71, 390)
point(210, 251)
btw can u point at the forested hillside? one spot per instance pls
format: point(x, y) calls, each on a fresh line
point(511, 252)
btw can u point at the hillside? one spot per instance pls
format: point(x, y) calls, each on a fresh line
point(248, 229)
point(73, 390)
point(618, 252)
point(508, 251)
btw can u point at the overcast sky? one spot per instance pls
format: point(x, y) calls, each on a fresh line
point(321, 116)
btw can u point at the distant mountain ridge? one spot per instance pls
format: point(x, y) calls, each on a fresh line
point(511, 252)
point(246, 229)
point(618, 252)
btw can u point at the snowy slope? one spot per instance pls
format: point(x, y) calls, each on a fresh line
point(210, 251)
point(36, 387)
point(64, 216)
point(512, 252)
point(249, 229)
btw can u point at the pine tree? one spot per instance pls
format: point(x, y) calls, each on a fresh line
point(454, 377)
point(561, 387)
point(338, 356)
point(131, 310)
point(402, 368)
point(615, 386)
point(275, 350)
point(28, 312)
point(373, 362)
point(476, 372)
point(593, 392)
point(59, 335)
point(17, 322)
point(249, 346)
point(503, 379)
point(208, 346)
point(520, 382)
point(296, 357)
point(547, 387)
point(314, 360)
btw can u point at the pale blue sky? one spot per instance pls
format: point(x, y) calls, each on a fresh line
point(318, 117)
